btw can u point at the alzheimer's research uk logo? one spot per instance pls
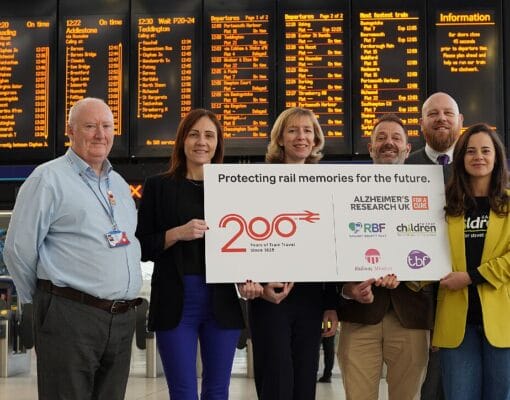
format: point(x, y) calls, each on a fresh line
point(260, 228)
point(420, 202)
point(372, 256)
point(417, 259)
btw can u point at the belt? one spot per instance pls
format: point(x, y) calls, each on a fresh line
point(111, 306)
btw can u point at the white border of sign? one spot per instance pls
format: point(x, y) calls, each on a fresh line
point(282, 222)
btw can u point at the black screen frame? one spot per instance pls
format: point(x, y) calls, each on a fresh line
point(164, 8)
point(359, 142)
point(248, 146)
point(479, 87)
point(48, 10)
point(332, 146)
point(89, 8)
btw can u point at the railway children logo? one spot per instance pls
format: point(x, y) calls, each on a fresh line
point(417, 229)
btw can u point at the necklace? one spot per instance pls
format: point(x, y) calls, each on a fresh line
point(196, 183)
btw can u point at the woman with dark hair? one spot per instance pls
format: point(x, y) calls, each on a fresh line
point(472, 325)
point(286, 321)
point(183, 308)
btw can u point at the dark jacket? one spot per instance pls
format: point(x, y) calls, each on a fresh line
point(158, 213)
point(419, 157)
point(414, 310)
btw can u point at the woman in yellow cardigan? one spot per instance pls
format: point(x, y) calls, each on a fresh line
point(472, 325)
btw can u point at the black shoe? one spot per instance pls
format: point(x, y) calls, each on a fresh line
point(325, 379)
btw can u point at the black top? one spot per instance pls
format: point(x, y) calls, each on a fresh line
point(475, 229)
point(190, 205)
point(168, 202)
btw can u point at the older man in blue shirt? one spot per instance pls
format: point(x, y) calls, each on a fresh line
point(72, 251)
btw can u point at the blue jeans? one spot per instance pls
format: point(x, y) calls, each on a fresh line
point(178, 347)
point(476, 370)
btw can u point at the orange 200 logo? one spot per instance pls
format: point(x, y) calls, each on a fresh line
point(268, 228)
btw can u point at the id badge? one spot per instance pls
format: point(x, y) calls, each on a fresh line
point(117, 238)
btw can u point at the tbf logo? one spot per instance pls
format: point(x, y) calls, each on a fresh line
point(372, 256)
point(417, 259)
point(268, 228)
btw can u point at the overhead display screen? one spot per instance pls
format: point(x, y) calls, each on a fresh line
point(388, 70)
point(314, 66)
point(166, 64)
point(27, 47)
point(467, 56)
point(94, 63)
point(152, 61)
point(239, 71)
point(166, 58)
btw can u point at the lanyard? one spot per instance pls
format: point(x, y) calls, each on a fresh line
point(108, 208)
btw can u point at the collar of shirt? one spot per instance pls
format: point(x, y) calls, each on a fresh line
point(433, 154)
point(79, 165)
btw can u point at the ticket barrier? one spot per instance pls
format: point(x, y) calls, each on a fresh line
point(16, 336)
point(146, 340)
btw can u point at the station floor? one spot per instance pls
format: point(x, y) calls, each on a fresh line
point(24, 386)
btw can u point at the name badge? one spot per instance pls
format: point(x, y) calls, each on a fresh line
point(117, 238)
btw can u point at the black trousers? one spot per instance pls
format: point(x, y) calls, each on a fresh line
point(328, 347)
point(432, 388)
point(83, 353)
point(286, 341)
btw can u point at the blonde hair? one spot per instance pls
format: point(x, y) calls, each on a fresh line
point(276, 153)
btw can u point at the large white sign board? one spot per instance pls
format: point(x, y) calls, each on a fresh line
point(291, 223)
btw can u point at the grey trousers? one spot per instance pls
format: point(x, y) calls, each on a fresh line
point(83, 353)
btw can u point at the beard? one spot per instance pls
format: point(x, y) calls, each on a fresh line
point(441, 142)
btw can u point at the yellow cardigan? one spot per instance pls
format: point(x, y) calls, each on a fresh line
point(452, 306)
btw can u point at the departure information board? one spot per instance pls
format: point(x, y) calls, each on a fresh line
point(166, 64)
point(467, 63)
point(313, 60)
point(152, 61)
point(388, 74)
point(26, 87)
point(239, 71)
point(94, 64)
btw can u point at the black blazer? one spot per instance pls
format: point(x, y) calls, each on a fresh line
point(158, 213)
point(420, 157)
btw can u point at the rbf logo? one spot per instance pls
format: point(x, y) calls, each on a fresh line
point(259, 228)
point(357, 227)
point(372, 256)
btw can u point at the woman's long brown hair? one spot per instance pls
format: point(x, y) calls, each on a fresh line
point(459, 194)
